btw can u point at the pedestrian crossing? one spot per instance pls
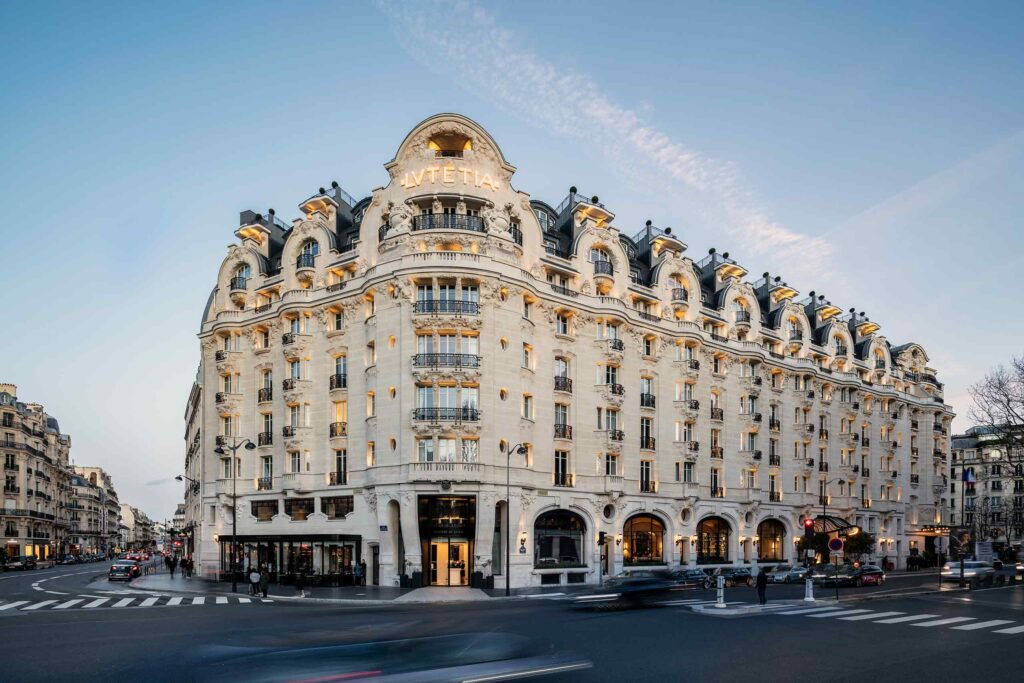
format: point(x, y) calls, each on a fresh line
point(136, 602)
point(915, 620)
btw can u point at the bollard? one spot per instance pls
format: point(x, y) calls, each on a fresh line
point(808, 589)
point(720, 598)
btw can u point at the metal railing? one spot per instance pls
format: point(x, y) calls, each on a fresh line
point(446, 414)
point(337, 478)
point(775, 496)
point(239, 283)
point(647, 400)
point(717, 414)
point(563, 431)
point(647, 486)
point(265, 394)
point(717, 452)
point(289, 384)
point(717, 492)
point(564, 291)
point(617, 389)
point(616, 344)
point(264, 483)
point(445, 360)
point(265, 439)
point(647, 443)
point(680, 294)
point(743, 317)
point(603, 268)
point(563, 384)
point(339, 429)
point(305, 261)
point(338, 381)
point(563, 479)
point(447, 221)
point(455, 306)
point(616, 434)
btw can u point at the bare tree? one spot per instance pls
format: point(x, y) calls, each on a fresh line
point(998, 403)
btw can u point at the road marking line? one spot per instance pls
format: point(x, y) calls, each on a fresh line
point(825, 615)
point(681, 602)
point(265, 600)
point(545, 595)
point(943, 622)
point(44, 603)
point(198, 601)
point(148, 602)
point(173, 602)
point(12, 605)
point(875, 615)
point(912, 617)
point(983, 624)
point(244, 600)
point(69, 603)
point(124, 602)
point(95, 603)
point(1015, 629)
point(809, 610)
point(222, 600)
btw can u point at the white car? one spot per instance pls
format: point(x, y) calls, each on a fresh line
point(975, 573)
point(787, 574)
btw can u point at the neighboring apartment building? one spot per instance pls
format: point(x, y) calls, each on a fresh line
point(98, 477)
point(993, 503)
point(385, 355)
point(140, 532)
point(193, 467)
point(37, 490)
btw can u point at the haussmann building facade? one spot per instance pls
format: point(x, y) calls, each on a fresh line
point(388, 356)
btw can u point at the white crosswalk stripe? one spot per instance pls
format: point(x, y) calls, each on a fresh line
point(902, 620)
point(90, 602)
point(983, 624)
point(871, 615)
point(809, 610)
point(868, 616)
point(1015, 629)
point(943, 622)
point(836, 613)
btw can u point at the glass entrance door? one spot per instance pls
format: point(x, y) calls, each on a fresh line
point(448, 562)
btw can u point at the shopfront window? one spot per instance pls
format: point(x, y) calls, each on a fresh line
point(299, 509)
point(337, 507)
point(713, 539)
point(264, 510)
point(643, 540)
point(558, 540)
point(771, 534)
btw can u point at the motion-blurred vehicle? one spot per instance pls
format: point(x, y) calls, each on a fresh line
point(459, 657)
point(819, 572)
point(975, 573)
point(123, 570)
point(20, 563)
point(690, 578)
point(632, 588)
point(865, 575)
point(787, 574)
point(67, 559)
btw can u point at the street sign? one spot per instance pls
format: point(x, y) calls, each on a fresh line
point(835, 545)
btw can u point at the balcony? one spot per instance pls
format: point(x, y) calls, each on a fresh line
point(717, 414)
point(563, 384)
point(12, 467)
point(774, 425)
point(222, 440)
point(693, 446)
point(446, 414)
point(692, 364)
point(12, 489)
point(680, 294)
point(288, 338)
point(446, 360)
point(865, 442)
point(717, 492)
point(616, 389)
point(563, 431)
point(336, 286)
point(564, 291)
point(879, 364)
point(563, 480)
point(603, 269)
point(616, 434)
point(445, 470)
point(615, 344)
point(647, 443)
point(775, 460)
point(447, 307)
point(447, 221)
point(265, 439)
point(338, 429)
point(264, 483)
point(823, 466)
point(756, 417)
point(775, 496)
point(755, 455)
point(809, 429)
point(865, 471)
point(823, 434)
point(865, 503)
point(913, 424)
point(823, 500)
point(289, 384)
point(221, 396)
point(842, 350)
point(289, 431)
point(717, 452)
point(914, 451)
point(265, 395)
point(915, 478)
point(338, 381)
point(647, 400)
point(337, 478)
point(648, 486)
point(693, 404)
point(742, 318)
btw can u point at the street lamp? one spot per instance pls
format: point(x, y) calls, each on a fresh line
point(219, 450)
point(520, 449)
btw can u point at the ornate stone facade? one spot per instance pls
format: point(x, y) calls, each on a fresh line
point(382, 355)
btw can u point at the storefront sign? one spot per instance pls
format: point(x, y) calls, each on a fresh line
point(448, 176)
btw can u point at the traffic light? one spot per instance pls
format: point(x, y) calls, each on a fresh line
point(808, 531)
point(601, 538)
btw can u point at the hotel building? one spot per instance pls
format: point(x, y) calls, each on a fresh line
point(399, 361)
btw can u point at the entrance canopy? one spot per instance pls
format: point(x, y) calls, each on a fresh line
point(827, 524)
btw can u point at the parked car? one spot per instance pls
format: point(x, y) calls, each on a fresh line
point(123, 570)
point(975, 573)
point(734, 576)
point(866, 575)
point(785, 573)
point(67, 559)
point(20, 563)
point(820, 572)
point(690, 578)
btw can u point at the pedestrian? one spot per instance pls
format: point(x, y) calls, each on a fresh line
point(264, 580)
point(762, 587)
point(254, 581)
point(362, 572)
point(300, 583)
point(357, 571)
point(167, 563)
point(186, 566)
point(174, 565)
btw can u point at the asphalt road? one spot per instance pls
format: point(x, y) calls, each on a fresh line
point(888, 637)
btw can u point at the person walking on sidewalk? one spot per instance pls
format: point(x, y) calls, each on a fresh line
point(254, 581)
point(762, 587)
point(362, 572)
point(186, 567)
point(357, 573)
point(300, 583)
point(264, 580)
point(167, 563)
point(174, 565)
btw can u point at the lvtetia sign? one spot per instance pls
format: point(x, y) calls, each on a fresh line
point(448, 176)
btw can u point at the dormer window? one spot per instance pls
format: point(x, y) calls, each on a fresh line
point(598, 254)
point(450, 146)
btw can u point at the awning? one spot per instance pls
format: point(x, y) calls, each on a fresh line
point(827, 524)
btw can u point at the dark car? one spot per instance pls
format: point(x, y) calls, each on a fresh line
point(690, 578)
point(633, 587)
point(123, 570)
point(20, 563)
point(734, 576)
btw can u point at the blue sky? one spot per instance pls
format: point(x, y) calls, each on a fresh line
point(873, 153)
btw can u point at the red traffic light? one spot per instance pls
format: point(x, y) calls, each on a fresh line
point(808, 524)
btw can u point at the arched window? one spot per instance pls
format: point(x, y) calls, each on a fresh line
point(308, 253)
point(771, 535)
point(599, 254)
point(558, 540)
point(643, 540)
point(243, 271)
point(795, 330)
point(713, 541)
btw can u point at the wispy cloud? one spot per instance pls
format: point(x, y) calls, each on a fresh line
point(571, 103)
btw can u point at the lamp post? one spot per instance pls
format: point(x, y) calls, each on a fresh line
point(824, 516)
point(520, 449)
point(219, 450)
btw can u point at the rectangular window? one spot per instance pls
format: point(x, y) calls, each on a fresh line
point(562, 324)
point(294, 462)
point(527, 356)
point(264, 510)
point(298, 508)
point(611, 464)
point(340, 466)
point(337, 507)
point(688, 472)
point(446, 449)
point(528, 406)
point(470, 450)
point(425, 450)
point(267, 466)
